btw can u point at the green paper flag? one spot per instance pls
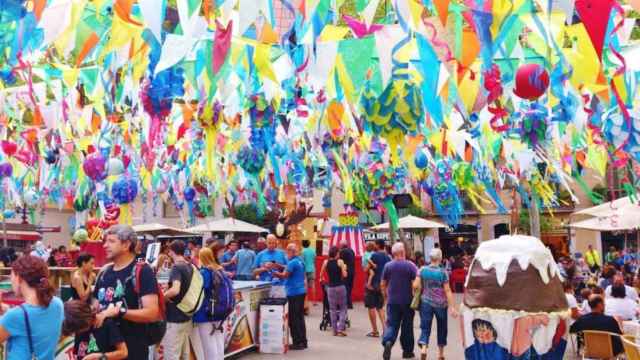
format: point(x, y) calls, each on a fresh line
point(393, 214)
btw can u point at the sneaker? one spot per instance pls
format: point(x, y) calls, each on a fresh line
point(408, 355)
point(297, 347)
point(386, 354)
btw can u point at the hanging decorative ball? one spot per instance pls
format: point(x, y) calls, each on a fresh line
point(6, 170)
point(124, 190)
point(421, 160)
point(115, 167)
point(189, 194)
point(9, 147)
point(94, 167)
point(8, 214)
point(532, 80)
point(81, 235)
point(51, 156)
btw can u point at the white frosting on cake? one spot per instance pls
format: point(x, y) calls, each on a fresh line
point(527, 250)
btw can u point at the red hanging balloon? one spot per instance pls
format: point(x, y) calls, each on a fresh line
point(532, 80)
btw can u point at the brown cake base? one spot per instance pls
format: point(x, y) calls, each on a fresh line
point(522, 290)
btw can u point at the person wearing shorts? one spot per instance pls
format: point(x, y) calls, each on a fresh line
point(373, 297)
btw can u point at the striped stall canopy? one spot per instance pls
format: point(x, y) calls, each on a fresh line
point(351, 234)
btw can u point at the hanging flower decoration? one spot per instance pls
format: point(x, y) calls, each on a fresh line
point(6, 170)
point(124, 190)
point(94, 167)
point(251, 160)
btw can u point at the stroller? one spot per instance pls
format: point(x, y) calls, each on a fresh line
point(326, 316)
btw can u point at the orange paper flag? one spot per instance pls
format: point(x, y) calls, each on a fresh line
point(442, 7)
point(38, 8)
point(91, 42)
point(123, 10)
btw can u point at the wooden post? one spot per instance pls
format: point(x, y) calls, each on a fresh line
point(534, 217)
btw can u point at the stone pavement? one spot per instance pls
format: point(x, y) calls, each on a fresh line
point(356, 346)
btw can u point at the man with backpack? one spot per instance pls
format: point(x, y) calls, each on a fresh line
point(133, 289)
point(296, 291)
point(183, 283)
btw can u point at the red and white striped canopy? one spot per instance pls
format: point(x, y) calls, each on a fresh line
point(351, 234)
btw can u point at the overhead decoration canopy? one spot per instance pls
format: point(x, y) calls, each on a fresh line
point(186, 101)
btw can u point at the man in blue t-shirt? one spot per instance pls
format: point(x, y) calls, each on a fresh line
point(227, 259)
point(397, 285)
point(296, 291)
point(373, 298)
point(244, 260)
point(270, 260)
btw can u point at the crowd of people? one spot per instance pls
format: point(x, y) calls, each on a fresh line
point(124, 312)
point(602, 297)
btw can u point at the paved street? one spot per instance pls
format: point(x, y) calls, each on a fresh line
point(322, 345)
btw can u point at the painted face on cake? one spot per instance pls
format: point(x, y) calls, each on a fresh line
point(483, 331)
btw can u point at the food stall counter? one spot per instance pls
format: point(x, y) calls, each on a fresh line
point(241, 328)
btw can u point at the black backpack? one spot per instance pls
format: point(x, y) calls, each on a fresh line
point(154, 331)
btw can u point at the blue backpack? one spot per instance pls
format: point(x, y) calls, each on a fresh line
point(223, 299)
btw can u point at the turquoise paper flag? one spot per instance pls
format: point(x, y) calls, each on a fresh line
point(430, 68)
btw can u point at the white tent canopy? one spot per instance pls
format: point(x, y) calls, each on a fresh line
point(610, 208)
point(227, 225)
point(157, 229)
point(620, 220)
point(411, 222)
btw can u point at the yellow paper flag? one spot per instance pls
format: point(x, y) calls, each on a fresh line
point(333, 33)
point(262, 60)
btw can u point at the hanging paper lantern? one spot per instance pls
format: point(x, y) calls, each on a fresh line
point(80, 236)
point(115, 167)
point(9, 147)
point(6, 170)
point(94, 167)
point(189, 194)
point(31, 198)
point(532, 80)
point(124, 190)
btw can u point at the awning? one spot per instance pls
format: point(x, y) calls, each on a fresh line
point(611, 208)
point(156, 229)
point(21, 235)
point(618, 221)
point(411, 222)
point(228, 225)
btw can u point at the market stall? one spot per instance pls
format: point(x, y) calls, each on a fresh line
point(156, 229)
point(412, 225)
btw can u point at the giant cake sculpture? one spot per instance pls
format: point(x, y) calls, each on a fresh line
point(514, 306)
